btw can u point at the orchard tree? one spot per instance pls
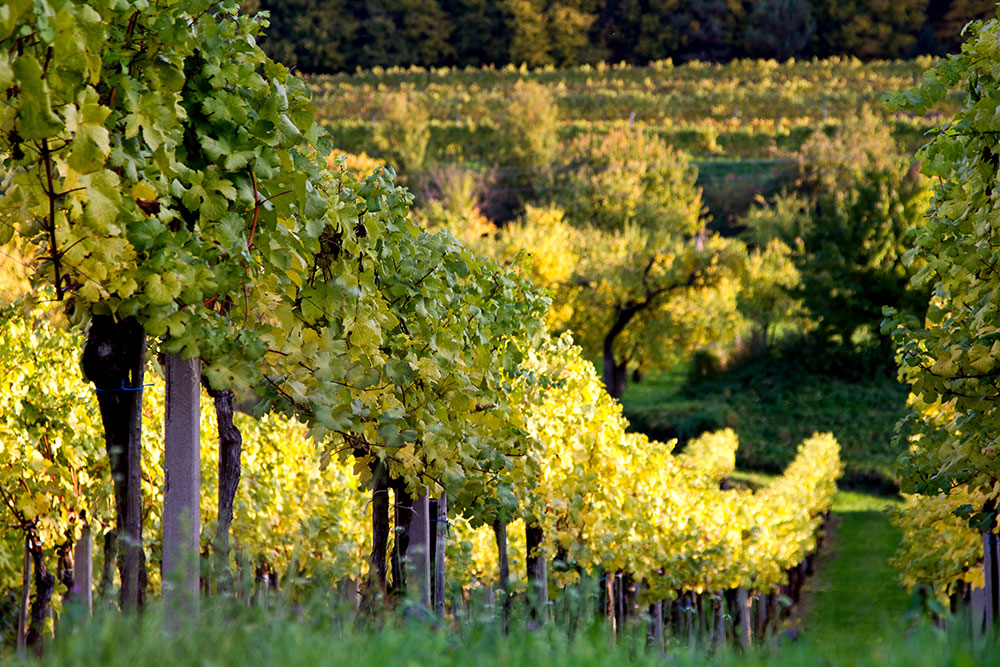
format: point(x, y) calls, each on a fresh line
point(525, 144)
point(631, 298)
point(628, 177)
point(638, 280)
point(863, 198)
point(767, 295)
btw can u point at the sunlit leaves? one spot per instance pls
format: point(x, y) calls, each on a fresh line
point(949, 359)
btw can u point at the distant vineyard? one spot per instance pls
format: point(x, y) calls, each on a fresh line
point(751, 96)
point(735, 139)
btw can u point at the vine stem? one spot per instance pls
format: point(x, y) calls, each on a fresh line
point(256, 209)
point(51, 194)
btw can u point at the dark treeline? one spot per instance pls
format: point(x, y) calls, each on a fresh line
point(323, 36)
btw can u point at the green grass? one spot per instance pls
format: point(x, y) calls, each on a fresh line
point(855, 596)
point(773, 405)
point(283, 635)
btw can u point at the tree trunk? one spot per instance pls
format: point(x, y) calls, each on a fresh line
point(230, 449)
point(64, 565)
point(182, 487)
point(977, 604)
point(114, 360)
point(110, 550)
point(612, 616)
point(538, 580)
point(692, 619)
point(615, 375)
point(41, 606)
point(719, 608)
point(404, 514)
point(377, 574)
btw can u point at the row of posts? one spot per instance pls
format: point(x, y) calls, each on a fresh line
point(181, 530)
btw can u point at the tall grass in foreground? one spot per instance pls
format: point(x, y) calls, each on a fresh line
point(316, 634)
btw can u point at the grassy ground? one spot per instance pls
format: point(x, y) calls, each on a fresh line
point(852, 613)
point(293, 636)
point(773, 406)
point(855, 598)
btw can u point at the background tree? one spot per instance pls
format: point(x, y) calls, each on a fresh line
point(310, 35)
point(847, 224)
point(549, 32)
point(636, 277)
point(709, 29)
point(779, 29)
point(482, 34)
point(639, 31)
point(949, 17)
point(767, 296)
point(868, 28)
point(400, 34)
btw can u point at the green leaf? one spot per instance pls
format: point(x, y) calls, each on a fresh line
point(10, 12)
point(399, 372)
point(103, 198)
point(38, 120)
point(6, 74)
point(90, 150)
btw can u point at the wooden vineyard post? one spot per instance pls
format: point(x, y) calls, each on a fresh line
point(83, 570)
point(22, 608)
point(991, 565)
point(692, 618)
point(612, 617)
point(762, 603)
point(440, 548)
point(538, 578)
point(719, 608)
point(746, 632)
point(133, 581)
point(500, 533)
point(621, 601)
point(978, 603)
point(418, 551)
point(182, 488)
point(657, 621)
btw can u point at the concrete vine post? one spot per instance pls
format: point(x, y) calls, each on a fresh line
point(182, 492)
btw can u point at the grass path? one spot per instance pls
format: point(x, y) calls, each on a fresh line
point(854, 599)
